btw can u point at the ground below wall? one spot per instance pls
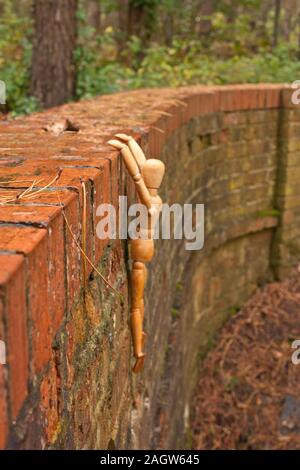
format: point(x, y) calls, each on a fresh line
point(68, 380)
point(247, 398)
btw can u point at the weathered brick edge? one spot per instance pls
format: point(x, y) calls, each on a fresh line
point(40, 267)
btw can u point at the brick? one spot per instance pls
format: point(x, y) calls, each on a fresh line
point(19, 239)
point(32, 243)
point(39, 295)
point(49, 402)
point(50, 218)
point(3, 410)
point(29, 215)
point(57, 287)
point(90, 176)
point(73, 256)
point(220, 148)
point(286, 98)
point(102, 195)
point(4, 422)
point(12, 287)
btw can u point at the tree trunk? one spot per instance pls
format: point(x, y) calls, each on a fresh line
point(122, 33)
point(141, 19)
point(169, 28)
point(135, 18)
point(206, 9)
point(299, 35)
point(276, 22)
point(94, 14)
point(53, 70)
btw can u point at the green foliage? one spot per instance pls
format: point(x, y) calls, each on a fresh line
point(149, 9)
point(15, 58)
point(181, 64)
point(236, 50)
point(96, 61)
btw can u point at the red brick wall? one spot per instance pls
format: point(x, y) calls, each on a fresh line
point(68, 380)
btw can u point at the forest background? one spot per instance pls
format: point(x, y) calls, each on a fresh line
point(54, 51)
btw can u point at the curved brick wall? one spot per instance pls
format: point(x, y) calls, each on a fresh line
point(68, 381)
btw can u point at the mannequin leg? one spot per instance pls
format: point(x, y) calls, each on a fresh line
point(137, 312)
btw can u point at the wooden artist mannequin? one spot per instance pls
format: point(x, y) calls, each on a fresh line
point(147, 175)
